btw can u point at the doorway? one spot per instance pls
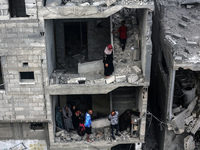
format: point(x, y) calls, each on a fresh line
point(75, 38)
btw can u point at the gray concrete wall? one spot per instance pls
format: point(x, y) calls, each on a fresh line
point(145, 23)
point(50, 46)
point(22, 131)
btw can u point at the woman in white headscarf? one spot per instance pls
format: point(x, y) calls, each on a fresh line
point(108, 61)
point(67, 116)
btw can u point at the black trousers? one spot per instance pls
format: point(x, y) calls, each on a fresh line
point(123, 43)
point(116, 126)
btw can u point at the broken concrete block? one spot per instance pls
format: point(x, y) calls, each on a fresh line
point(191, 43)
point(177, 110)
point(136, 70)
point(132, 78)
point(76, 80)
point(170, 41)
point(188, 120)
point(186, 18)
point(100, 123)
point(120, 78)
point(92, 66)
point(189, 143)
point(99, 81)
point(98, 3)
point(182, 24)
point(110, 79)
point(177, 36)
point(69, 4)
point(188, 50)
point(57, 134)
point(51, 3)
point(110, 2)
point(84, 4)
point(178, 58)
point(196, 127)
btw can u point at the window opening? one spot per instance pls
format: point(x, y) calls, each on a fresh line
point(26, 76)
point(17, 8)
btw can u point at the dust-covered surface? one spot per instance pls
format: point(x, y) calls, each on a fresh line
point(182, 27)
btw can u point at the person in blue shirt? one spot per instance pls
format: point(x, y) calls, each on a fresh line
point(88, 124)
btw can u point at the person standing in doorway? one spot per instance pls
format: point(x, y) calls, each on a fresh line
point(122, 34)
point(67, 115)
point(59, 118)
point(108, 61)
point(88, 124)
point(113, 117)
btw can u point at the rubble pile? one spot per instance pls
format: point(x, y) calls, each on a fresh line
point(186, 106)
point(98, 134)
point(182, 32)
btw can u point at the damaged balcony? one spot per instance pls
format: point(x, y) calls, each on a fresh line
point(89, 8)
point(75, 50)
point(121, 99)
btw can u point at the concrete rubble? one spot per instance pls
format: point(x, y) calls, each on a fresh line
point(100, 132)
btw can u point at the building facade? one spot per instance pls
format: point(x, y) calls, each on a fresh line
point(51, 55)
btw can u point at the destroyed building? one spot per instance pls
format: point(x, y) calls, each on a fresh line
point(175, 73)
point(51, 55)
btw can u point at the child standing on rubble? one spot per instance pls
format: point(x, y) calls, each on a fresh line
point(122, 34)
point(108, 61)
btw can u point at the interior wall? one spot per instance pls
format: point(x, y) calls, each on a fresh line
point(50, 46)
point(101, 104)
point(98, 37)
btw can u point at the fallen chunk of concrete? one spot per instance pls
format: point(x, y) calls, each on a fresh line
point(85, 4)
point(196, 127)
point(120, 78)
point(92, 66)
point(188, 120)
point(57, 134)
point(191, 43)
point(177, 36)
point(99, 81)
point(170, 41)
point(189, 143)
point(136, 70)
point(132, 78)
point(76, 80)
point(182, 24)
point(100, 123)
point(111, 79)
point(186, 18)
point(50, 3)
point(110, 2)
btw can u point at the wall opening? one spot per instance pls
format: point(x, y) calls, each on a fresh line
point(75, 38)
point(17, 8)
point(27, 76)
point(1, 76)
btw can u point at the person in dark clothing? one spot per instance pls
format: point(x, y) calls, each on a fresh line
point(59, 121)
point(67, 116)
point(73, 109)
point(108, 61)
point(125, 119)
point(122, 34)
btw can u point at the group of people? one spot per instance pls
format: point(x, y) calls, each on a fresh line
point(74, 120)
point(83, 125)
point(108, 52)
